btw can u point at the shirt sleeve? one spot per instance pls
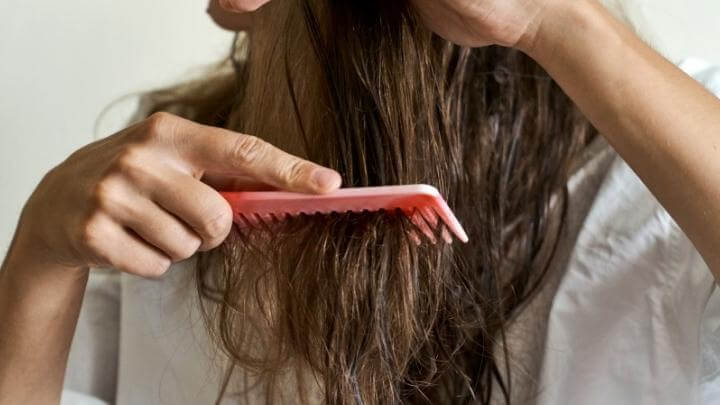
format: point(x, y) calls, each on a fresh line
point(93, 363)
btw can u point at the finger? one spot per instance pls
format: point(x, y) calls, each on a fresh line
point(225, 183)
point(109, 244)
point(205, 211)
point(158, 228)
point(225, 152)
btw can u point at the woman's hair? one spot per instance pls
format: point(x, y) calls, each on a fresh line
point(346, 308)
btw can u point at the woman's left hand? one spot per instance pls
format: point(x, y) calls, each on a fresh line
point(465, 22)
point(477, 23)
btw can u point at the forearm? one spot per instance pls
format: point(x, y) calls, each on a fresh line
point(39, 307)
point(663, 123)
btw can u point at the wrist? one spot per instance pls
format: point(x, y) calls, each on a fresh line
point(26, 259)
point(559, 21)
point(37, 287)
point(39, 291)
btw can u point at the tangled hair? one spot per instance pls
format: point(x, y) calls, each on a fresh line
point(346, 308)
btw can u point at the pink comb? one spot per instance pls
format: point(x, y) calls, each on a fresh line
point(421, 203)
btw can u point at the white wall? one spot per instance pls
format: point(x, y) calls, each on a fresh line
point(63, 61)
point(678, 28)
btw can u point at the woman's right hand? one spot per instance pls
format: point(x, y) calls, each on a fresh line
point(135, 201)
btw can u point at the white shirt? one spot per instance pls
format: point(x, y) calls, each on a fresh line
point(628, 316)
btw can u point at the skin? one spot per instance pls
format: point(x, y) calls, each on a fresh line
point(664, 124)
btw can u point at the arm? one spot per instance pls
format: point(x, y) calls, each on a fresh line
point(39, 307)
point(665, 125)
point(133, 202)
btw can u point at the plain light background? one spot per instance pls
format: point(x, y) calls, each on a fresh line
point(63, 62)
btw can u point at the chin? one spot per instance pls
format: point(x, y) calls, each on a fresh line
point(227, 19)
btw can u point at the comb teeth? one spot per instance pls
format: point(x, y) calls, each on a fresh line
point(422, 204)
point(433, 220)
point(419, 221)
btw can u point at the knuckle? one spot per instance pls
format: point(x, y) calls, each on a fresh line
point(103, 195)
point(159, 124)
point(248, 150)
point(297, 171)
point(129, 158)
point(217, 227)
point(91, 236)
point(159, 121)
point(132, 164)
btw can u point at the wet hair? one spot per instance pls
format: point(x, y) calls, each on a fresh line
point(346, 308)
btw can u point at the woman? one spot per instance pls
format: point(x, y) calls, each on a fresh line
point(403, 323)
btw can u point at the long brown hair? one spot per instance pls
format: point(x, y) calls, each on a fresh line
point(348, 303)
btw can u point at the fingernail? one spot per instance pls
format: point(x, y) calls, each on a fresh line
point(326, 180)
